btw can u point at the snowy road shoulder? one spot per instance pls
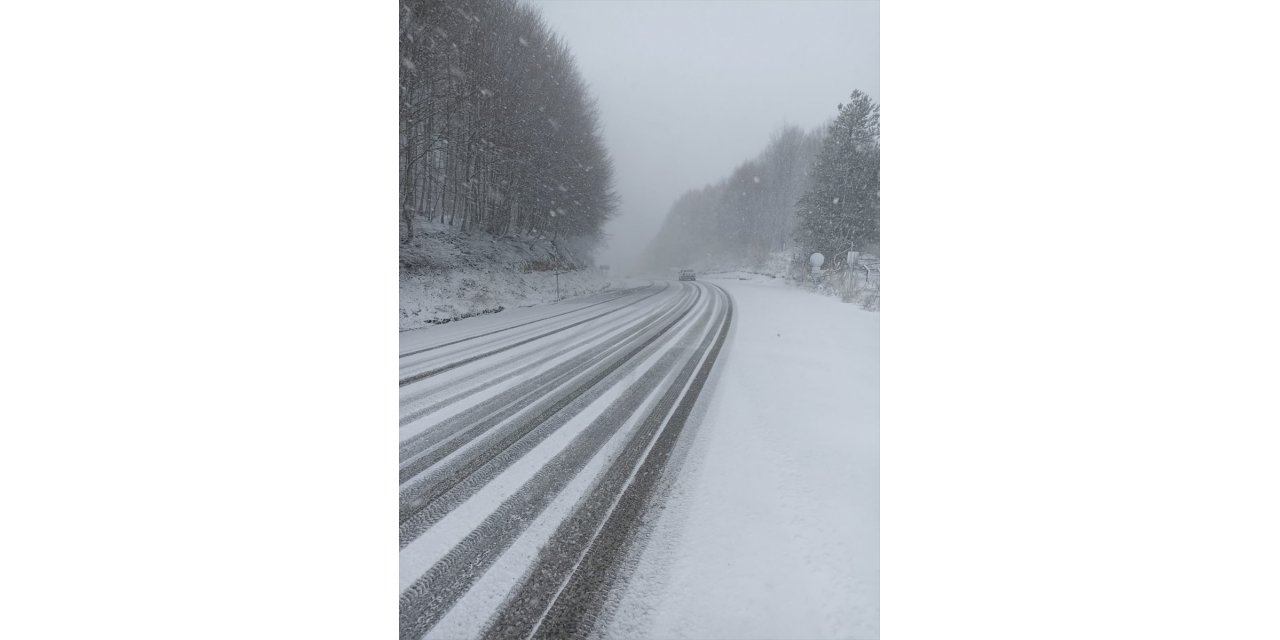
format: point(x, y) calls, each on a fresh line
point(772, 530)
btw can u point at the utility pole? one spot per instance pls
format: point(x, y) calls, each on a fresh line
point(556, 258)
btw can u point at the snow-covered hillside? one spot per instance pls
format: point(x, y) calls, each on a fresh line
point(446, 274)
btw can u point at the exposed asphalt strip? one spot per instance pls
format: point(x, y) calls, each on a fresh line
point(417, 496)
point(521, 331)
point(427, 374)
point(620, 294)
point(573, 342)
point(423, 491)
point(511, 401)
point(431, 596)
point(589, 545)
point(461, 491)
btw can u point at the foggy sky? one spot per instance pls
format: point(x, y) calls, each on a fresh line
point(689, 89)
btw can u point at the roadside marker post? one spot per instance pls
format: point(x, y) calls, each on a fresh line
point(815, 261)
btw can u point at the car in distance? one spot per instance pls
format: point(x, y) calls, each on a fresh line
point(688, 274)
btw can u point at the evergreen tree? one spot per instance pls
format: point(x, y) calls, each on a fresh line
point(841, 209)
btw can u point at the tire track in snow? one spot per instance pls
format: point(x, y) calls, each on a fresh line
point(459, 349)
point(562, 591)
point(423, 603)
point(619, 294)
point(458, 363)
point(574, 343)
point(617, 415)
point(415, 497)
point(464, 489)
point(493, 375)
point(507, 403)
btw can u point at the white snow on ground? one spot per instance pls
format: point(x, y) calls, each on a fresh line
point(772, 529)
point(447, 275)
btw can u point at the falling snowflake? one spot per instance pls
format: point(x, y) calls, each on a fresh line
point(835, 201)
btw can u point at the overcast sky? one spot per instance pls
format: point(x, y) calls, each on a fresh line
point(690, 89)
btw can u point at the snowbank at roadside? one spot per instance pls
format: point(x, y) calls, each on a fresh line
point(849, 285)
point(446, 275)
point(771, 530)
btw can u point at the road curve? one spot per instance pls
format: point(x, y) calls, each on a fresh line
point(531, 446)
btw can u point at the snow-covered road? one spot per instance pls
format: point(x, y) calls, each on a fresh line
point(531, 443)
point(696, 460)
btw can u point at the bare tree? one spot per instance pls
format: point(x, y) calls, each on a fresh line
point(497, 131)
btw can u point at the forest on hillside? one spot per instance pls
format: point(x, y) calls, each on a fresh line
point(806, 192)
point(497, 131)
point(743, 219)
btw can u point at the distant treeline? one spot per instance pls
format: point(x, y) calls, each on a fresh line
point(806, 193)
point(497, 133)
point(742, 219)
